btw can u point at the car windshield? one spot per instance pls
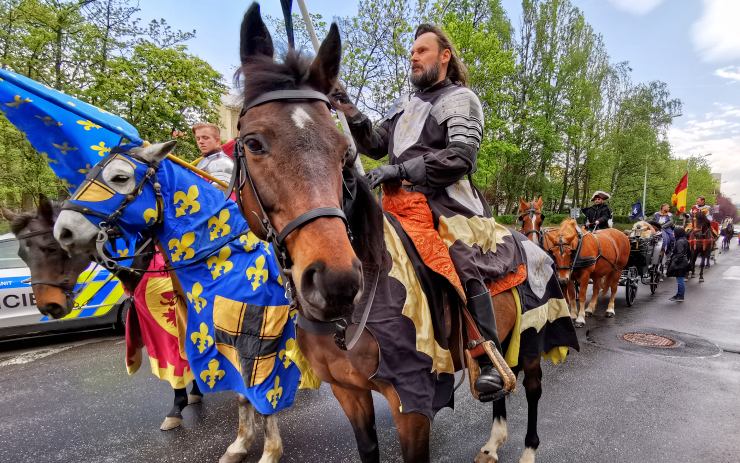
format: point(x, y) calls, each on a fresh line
point(9, 253)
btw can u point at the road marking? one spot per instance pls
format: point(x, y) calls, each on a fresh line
point(28, 357)
point(732, 273)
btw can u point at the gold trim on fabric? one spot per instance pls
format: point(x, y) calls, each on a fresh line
point(273, 321)
point(167, 373)
point(93, 192)
point(416, 307)
point(228, 315)
point(515, 340)
point(261, 369)
point(231, 354)
point(549, 312)
point(482, 231)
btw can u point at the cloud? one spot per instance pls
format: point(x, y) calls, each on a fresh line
point(715, 34)
point(638, 7)
point(716, 132)
point(728, 72)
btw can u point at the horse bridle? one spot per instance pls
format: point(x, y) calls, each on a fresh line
point(242, 178)
point(532, 212)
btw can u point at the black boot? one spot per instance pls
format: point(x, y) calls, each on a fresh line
point(480, 307)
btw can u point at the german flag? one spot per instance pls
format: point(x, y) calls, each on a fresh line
point(679, 194)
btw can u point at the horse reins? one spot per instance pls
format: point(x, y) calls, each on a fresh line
point(242, 178)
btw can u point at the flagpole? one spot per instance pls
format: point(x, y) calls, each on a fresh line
point(644, 190)
point(340, 114)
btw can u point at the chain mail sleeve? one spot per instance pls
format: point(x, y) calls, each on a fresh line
point(461, 113)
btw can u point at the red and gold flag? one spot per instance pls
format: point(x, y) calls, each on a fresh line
point(679, 194)
point(152, 324)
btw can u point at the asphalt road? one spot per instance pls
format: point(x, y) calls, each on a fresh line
point(68, 399)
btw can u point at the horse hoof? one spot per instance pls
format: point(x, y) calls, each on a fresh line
point(701, 280)
point(194, 399)
point(589, 314)
point(609, 314)
point(231, 457)
point(171, 422)
point(579, 324)
point(527, 455)
point(484, 457)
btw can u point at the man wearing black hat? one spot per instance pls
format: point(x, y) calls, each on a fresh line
point(599, 214)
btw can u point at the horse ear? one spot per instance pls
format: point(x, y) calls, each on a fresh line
point(255, 39)
point(538, 203)
point(522, 203)
point(157, 151)
point(45, 209)
point(325, 67)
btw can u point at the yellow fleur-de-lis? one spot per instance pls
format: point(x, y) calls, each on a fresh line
point(220, 264)
point(249, 241)
point(293, 314)
point(180, 249)
point(201, 338)
point(85, 169)
point(282, 355)
point(101, 149)
point(87, 125)
point(188, 201)
point(17, 102)
point(64, 148)
point(123, 252)
point(274, 394)
point(258, 273)
point(217, 226)
point(48, 121)
point(150, 216)
point(194, 297)
point(212, 374)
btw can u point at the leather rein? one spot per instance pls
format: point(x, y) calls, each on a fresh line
point(241, 181)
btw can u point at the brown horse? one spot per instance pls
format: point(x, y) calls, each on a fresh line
point(292, 182)
point(580, 257)
point(701, 242)
point(531, 217)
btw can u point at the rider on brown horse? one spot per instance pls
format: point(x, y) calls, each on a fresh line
point(432, 139)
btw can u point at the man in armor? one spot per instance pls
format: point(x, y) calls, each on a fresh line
point(213, 159)
point(432, 140)
point(598, 214)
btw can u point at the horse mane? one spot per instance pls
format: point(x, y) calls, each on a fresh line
point(365, 217)
point(261, 74)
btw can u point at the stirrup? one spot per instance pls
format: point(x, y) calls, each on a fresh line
point(499, 364)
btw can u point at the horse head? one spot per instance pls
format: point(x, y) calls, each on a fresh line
point(562, 244)
point(290, 165)
point(119, 195)
point(54, 273)
point(531, 218)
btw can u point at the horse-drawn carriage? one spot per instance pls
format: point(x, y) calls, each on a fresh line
point(645, 264)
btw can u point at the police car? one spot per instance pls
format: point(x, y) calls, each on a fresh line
point(99, 301)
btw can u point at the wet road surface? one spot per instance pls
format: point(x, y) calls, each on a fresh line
point(69, 399)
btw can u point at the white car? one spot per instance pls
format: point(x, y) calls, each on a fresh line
point(99, 301)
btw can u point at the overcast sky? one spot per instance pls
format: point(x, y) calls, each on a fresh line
point(693, 45)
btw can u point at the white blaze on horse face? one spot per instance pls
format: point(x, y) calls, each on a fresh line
point(73, 231)
point(119, 175)
point(300, 117)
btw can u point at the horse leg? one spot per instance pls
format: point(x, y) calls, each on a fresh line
point(273, 448)
point(174, 417)
point(570, 295)
point(413, 428)
point(533, 387)
point(358, 406)
point(245, 435)
point(704, 261)
point(613, 284)
point(195, 396)
point(499, 433)
point(594, 296)
point(582, 290)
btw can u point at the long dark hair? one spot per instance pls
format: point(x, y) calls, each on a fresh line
point(679, 232)
point(457, 72)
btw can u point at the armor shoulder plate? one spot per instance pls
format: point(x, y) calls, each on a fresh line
point(462, 112)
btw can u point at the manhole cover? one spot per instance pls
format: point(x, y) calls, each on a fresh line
point(649, 340)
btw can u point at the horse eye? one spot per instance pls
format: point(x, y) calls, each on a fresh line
point(119, 178)
point(254, 146)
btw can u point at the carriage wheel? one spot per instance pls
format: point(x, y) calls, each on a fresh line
point(630, 290)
